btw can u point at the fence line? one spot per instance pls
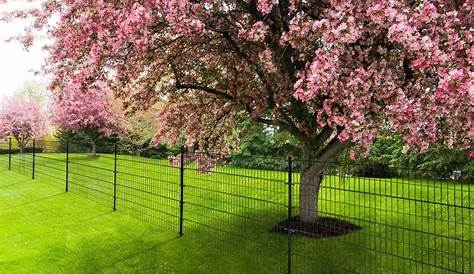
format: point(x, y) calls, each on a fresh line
point(407, 224)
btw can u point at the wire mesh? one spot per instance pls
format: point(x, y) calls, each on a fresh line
point(378, 221)
point(400, 224)
point(149, 190)
point(50, 162)
point(91, 172)
point(4, 151)
point(21, 158)
point(235, 210)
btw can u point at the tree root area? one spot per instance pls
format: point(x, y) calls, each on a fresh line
point(324, 227)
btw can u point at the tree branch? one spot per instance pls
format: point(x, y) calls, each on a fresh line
point(271, 102)
point(331, 150)
point(205, 89)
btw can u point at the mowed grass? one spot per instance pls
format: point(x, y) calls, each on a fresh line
point(44, 230)
point(408, 226)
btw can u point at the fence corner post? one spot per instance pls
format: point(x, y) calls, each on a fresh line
point(290, 214)
point(67, 165)
point(10, 153)
point(181, 191)
point(115, 176)
point(34, 158)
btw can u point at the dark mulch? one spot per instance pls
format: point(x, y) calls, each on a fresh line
point(322, 228)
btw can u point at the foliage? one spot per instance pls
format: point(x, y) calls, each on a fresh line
point(323, 70)
point(259, 162)
point(437, 162)
point(49, 143)
point(160, 151)
point(18, 150)
point(137, 131)
point(388, 156)
point(22, 119)
point(264, 148)
point(82, 140)
point(64, 136)
point(269, 141)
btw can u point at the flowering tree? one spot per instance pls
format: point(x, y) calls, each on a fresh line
point(331, 72)
point(86, 112)
point(22, 119)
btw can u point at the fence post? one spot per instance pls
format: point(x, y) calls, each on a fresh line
point(290, 214)
point(67, 165)
point(181, 191)
point(34, 154)
point(115, 177)
point(10, 153)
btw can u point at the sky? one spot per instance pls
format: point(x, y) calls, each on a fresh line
point(17, 65)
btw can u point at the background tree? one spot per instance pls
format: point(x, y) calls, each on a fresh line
point(35, 90)
point(331, 72)
point(84, 112)
point(23, 119)
point(137, 132)
point(437, 162)
point(262, 147)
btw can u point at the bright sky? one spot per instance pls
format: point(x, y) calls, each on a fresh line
point(16, 64)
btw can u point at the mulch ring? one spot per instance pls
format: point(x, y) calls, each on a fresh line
point(324, 227)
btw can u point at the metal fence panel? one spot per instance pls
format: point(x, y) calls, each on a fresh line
point(371, 222)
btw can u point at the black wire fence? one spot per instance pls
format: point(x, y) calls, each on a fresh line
point(272, 221)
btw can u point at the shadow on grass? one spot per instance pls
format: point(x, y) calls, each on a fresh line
point(115, 243)
point(233, 245)
point(217, 241)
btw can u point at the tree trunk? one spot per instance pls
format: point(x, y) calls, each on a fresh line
point(310, 184)
point(312, 166)
point(94, 148)
point(311, 179)
point(22, 143)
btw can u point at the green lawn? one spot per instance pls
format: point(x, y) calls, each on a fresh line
point(228, 214)
point(44, 230)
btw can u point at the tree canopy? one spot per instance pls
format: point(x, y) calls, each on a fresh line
point(320, 69)
point(332, 73)
point(23, 119)
point(85, 112)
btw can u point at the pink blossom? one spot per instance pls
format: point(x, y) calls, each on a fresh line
point(83, 111)
point(22, 119)
point(265, 6)
point(266, 58)
point(257, 32)
point(353, 67)
point(352, 154)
